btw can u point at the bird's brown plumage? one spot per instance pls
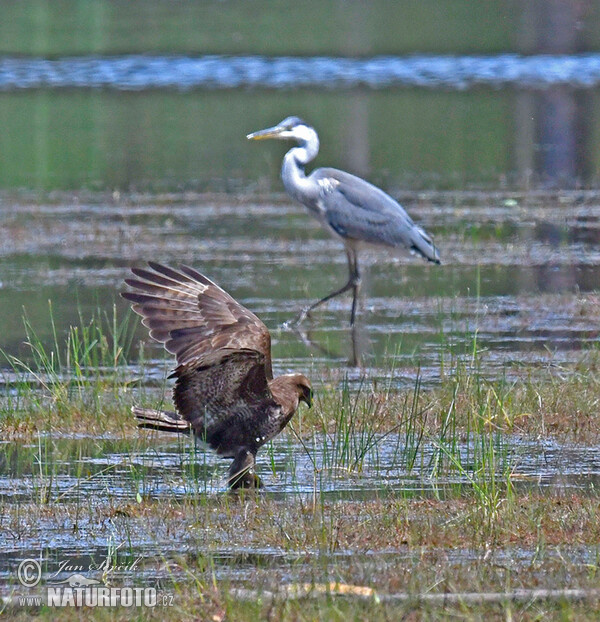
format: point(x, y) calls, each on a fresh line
point(224, 386)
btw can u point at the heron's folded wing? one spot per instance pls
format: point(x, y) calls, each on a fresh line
point(357, 210)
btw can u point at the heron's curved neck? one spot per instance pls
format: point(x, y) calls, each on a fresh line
point(292, 171)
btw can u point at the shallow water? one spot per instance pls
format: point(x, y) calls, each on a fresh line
point(92, 475)
point(519, 276)
point(67, 469)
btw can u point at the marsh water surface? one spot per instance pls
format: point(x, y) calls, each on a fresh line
point(519, 276)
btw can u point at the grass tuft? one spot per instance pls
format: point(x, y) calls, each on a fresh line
point(72, 384)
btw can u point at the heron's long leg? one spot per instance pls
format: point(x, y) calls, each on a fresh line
point(353, 283)
point(355, 280)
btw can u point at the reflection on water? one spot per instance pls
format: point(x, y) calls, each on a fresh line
point(520, 272)
point(398, 138)
point(127, 97)
point(160, 140)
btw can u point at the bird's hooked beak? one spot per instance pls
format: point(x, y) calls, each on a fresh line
point(307, 397)
point(271, 132)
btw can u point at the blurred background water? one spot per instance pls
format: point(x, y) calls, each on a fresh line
point(159, 95)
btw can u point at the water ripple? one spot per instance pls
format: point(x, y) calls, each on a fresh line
point(137, 72)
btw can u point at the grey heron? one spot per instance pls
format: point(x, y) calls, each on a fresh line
point(352, 209)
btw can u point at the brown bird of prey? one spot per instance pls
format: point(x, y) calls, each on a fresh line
point(224, 390)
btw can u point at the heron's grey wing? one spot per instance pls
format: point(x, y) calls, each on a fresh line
point(193, 317)
point(227, 402)
point(357, 210)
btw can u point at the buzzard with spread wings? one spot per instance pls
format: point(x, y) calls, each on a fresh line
point(224, 391)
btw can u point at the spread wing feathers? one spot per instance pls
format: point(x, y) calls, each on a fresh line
point(356, 209)
point(195, 319)
point(229, 403)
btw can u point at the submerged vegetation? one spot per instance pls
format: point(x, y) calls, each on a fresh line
point(472, 522)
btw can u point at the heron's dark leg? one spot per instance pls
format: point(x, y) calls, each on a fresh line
point(353, 283)
point(241, 471)
point(356, 360)
point(355, 280)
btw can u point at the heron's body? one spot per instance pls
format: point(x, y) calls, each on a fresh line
point(364, 215)
point(349, 207)
point(224, 391)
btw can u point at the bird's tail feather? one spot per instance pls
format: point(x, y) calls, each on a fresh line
point(423, 244)
point(163, 420)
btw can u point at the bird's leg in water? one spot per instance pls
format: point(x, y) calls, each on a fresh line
point(241, 471)
point(356, 360)
point(353, 284)
point(355, 280)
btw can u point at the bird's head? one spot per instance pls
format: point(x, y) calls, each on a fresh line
point(292, 128)
point(291, 389)
point(305, 392)
point(296, 385)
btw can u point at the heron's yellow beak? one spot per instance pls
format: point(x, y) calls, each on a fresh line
point(270, 132)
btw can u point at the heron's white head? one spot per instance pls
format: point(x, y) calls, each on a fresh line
point(292, 128)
